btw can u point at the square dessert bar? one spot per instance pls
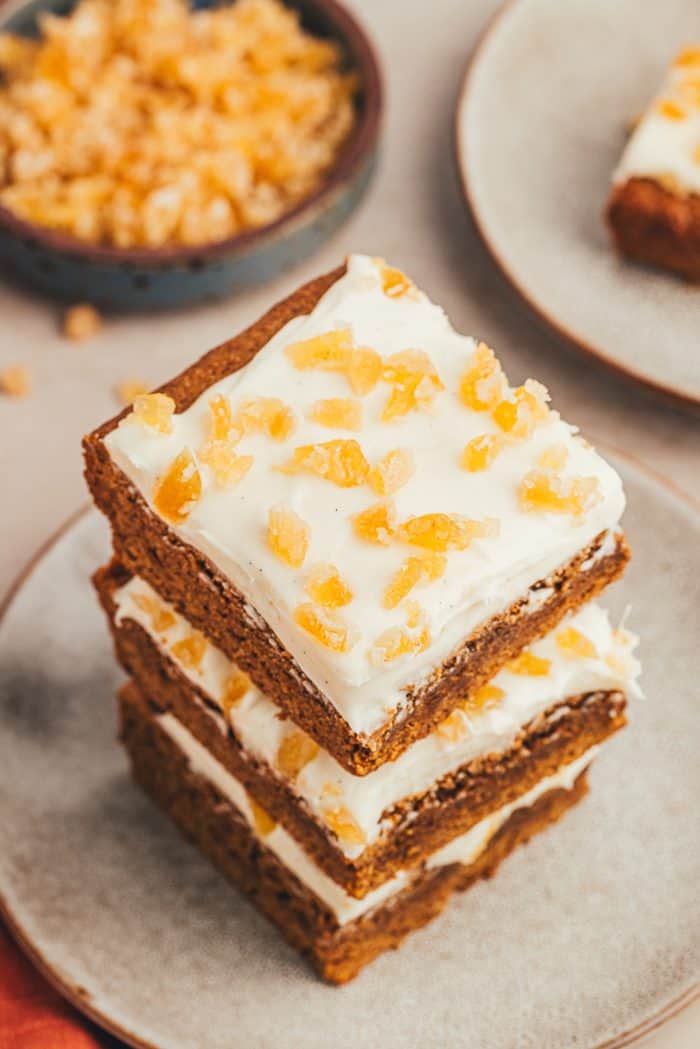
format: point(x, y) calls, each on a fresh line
point(561, 697)
point(353, 504)
point(654, 207)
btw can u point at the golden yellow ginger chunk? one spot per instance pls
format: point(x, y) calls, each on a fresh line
point(363, 370)
point(481, 451)
point(295, 751)
point(547, 493)
point(520, 414)
point(326, 627)
point(161, 618)
point(396, 642)
point(328, 352)
point(178, 491)
point(269, 414)
point(415, 616)
point(376, 524)
point(395, 284)
point(415, 383)
point(235, 687)
point(454, 728)
point(528, 664)
point(425, 567)
point(391, 472)
point(485, 697)
point(574, 644)
point(443, 532)
point(190, 650)
point(553, 458)
point(689, 56)
point(326, 587)
point(128, 390)
point(263, 822)
point(338, 413)
point(221, 420)
point(483, 384)
point(288, 536)
point(344, 825)
point(340, 461)
point(15, 381)
point(81, 322)
point(227, 466)
point(155, 410)
point(671, 110)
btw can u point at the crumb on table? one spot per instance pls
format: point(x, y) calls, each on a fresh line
point(81, 322)
point(15, 381)
point(129, 390)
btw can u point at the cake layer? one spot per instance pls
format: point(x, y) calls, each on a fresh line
point(360, 830)
point(337, 934)
point(371, 581)
point(654, 225)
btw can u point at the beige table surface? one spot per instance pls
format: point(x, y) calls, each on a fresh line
point(413, 215)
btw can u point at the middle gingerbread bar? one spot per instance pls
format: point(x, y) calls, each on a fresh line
point(352, 502)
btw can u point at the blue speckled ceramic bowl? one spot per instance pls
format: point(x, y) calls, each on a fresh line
point(145, 278)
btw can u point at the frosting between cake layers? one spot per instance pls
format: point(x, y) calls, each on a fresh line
point(463, 849)
point(229, 525)
point(665, 145)
point(322, 781)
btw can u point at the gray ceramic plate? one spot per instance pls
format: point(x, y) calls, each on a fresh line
point(540, 125)
point(591, 931)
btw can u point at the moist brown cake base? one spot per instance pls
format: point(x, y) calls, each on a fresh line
point(653, 225)
point(337, 953)
point(422, 823)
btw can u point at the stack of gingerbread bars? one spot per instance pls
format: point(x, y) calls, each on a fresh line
point(352, 586)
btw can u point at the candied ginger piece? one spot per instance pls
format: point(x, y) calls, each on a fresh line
point(328, 352)
point(81, 322)
point(154, 410)
point(328, 628)
point(481, 451)
point(671, 110)
point(391, 472)
point(326, 587)
point(344, 825)
point(395, 284)
point(528, 664)
point(398, 641)
point(689, 56)
point(337, 412)
point(574, 644)
point(363, 370)
point(236, 685)
point(269, 414)
point(483, 384)
point(190, 650)
point(548, 493)
point(553, 458)
point(179, 489)
point(443, 532)
point(340, 461)
point(415, 383)
point(288, 536)
point(376, 524)
point(221, 418)
point(621, 663)
point(15, 381)
point(161, 618)
point(423, 567)
point(454, 728)
point(519, 415)
point(295, 751)
point(264, 823)
point(128, 390)
point(483, 699)
point(227, 466)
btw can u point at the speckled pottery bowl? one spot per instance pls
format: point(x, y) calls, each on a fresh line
point(146, 278)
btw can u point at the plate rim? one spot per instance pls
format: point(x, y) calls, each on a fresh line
point(668, 392)
point(80, 998)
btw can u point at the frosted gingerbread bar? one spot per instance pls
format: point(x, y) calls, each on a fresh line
point(352, 503)
point(654, 207)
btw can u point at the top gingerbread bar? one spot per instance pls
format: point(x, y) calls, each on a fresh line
point(351, 502)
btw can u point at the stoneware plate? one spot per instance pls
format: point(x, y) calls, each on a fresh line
point(587, 936)
point(541, 122)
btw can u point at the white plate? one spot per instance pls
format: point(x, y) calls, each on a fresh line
point(591, 931)
point(540, 125)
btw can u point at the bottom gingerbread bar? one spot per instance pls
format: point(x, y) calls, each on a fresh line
point(337, 933)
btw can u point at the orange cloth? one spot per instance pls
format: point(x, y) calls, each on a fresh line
point(32, 1014)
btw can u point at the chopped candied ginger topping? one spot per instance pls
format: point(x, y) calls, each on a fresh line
point(326, 627)
point(267, 414)
point(395, 284)
point(190, 650)
point(575, 645)
point(622, 664)
point(162, 618)
point(671, 110)
point(553, 458)
point(338, 413)
point(288, 536)
point(128, 390)
point(364, 370)
point(527, 664)
point(376, 524)
point(519, 414)
point(326, 587)
point(484, 698)
point(179, 489)
point(236, 685)
point(443, 532)
point(415, 383)
point(454, 728)
point(425, 567)
point(328, 352)
point(264, 823)
point(344, 825)
point(402, 641)
point(546, 492)
point(689, 56)
point(227, 466)
point(391, 472)
point(483, 384)
point(340, 461)
point(481, 451)
point(295, 751)
point(221, 420)
point(154, 410)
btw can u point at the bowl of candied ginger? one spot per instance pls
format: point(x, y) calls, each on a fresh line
point(155, 153)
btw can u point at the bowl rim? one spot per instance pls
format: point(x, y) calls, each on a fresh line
point(358, 148)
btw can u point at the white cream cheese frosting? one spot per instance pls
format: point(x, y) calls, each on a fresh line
point(464, 849)
point(229, 525)
point(606, 662)
point(665, 145)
